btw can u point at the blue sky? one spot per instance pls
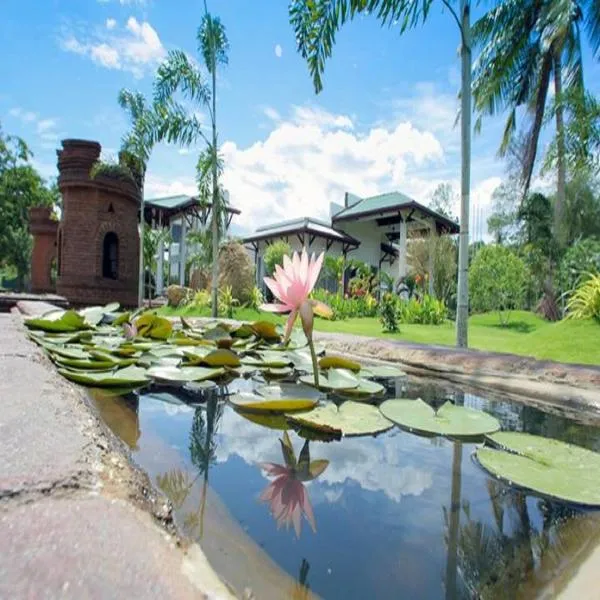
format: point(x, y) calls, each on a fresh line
point(384, 120)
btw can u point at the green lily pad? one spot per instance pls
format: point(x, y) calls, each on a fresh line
point(365, 388)
point(172, 374)
point(265, 330)
point(349, 419)
point(336, 380)
point(127, 377)
point(382, 372)
point(259, 404)
point(276, 373)
point(450, 420)
point(73, 352)
point(214, 358)
point(271, 421)
point(546, 466)
point(268, 358)
point(59, 321)
point(338, 362)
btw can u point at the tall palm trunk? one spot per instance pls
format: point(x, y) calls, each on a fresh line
point(560, 143)
point(454, 524)
point(462, 308)
point(216, 208)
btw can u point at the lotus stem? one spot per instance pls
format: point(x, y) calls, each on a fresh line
point(314, 361)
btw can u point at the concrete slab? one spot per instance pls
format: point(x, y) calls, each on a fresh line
point(88, 548)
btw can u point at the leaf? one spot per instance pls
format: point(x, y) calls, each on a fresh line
point(63, 321)
point(349, 419)
point(218, 358)
point(450, 420)
point(266, 330)
point(549, 467)
point(259, 404)
point(365, 388)
point(127, 377)
point(289, 456)
point(335, 380)
point(161, 329)
point(382, 372)
point(174, 374)
point(271, 421)
point(122, 318)
point(276, 373)
point(338, 362)
point(268, 358)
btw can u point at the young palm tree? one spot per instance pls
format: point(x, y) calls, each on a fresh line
point(316, 23)
point(179, 73)
point(528, 46)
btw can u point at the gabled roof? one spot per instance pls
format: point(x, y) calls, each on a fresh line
point(303, 225)
point(175, 204)
point(385, 204)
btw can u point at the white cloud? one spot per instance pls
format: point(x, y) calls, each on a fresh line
point(26, 116)
point(45, 125)
point(135, 49)
point(312, 158)
point(278, 50)
point(271, 113)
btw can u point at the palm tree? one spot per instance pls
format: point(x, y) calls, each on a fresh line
point(529, 45)
point(316, 23)
point(179, 73)
point(149, 126)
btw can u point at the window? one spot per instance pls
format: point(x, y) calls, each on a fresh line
point(110, 256)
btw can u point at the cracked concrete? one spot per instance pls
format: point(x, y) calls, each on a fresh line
point(77, 519)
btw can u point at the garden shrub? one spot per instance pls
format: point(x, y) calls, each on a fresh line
point(177, 295)
point(256, 298)
point(585, 302)
point(236, 271)
point(274, 255)
point(580, 262)
point(497, 281)
point(201, 300)
point(388, 313)
point(346, 307)
point(428, 311)
point(227, 302)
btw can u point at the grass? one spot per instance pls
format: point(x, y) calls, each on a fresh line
point(526, 334)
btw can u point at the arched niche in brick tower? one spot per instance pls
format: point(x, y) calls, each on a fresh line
point(42, 227)
point(92, 210)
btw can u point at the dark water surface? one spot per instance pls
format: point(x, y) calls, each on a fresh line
point(396, 516)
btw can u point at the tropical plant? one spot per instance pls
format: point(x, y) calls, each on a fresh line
point(427, 311)
point(201, 300)
point(335, 268)
point(274, 254)
point(498, 281)
point(227, 302)
point(112, 170)
point(580, 261)
point(388, 313)
point(256, 298)
point(585, 302)
point(180, 73)
point(316, 23)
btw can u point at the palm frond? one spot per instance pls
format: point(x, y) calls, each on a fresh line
point(179, 73)
point(212, 40)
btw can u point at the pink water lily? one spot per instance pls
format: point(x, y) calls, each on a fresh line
point(292, 285)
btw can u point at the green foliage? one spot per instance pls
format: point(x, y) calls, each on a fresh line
point(497, 281)
point(347, 307)
point(21, 188)
point(580, 261)
point(152, 240)
point(256, 298)
point(427, 311)
point(112, 170)
point(200, 301)
point(335, 267)
point(443, 200)
point(274, 254)
point(388, 313)
point(585, 302)
point(227, 302)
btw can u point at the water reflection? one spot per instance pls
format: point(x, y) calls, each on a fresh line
point(392, 510)
point(286, 494)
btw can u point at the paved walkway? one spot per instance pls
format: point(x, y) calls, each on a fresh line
point(73, 523)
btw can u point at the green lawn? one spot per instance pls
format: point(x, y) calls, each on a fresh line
point(526, 334)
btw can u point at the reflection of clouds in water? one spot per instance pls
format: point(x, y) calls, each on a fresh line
point(381, 464)
point(333, 495)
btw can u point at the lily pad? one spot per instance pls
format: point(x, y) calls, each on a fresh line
point(365, 388)
point(127, 377)
point(265, 330)
point(216, 358)
point(59, 321)
point(259, 404)
point(335, 380)
point(338, 362)
point(382, 372)
point(276, 373)
point(549, 467)
point(450, 420)
point(268, 358)
point(349, 419)
point(172, 374)
point(271, 421)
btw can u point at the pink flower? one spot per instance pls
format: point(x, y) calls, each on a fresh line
point(292, 285)
point(129, 330)
point(286, 494)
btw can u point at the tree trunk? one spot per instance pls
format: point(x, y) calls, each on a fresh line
point(462, 309)
point(560, 144)
point(216, 208)
point(454, 524)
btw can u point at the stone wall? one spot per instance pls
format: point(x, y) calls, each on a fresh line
point(98, 243)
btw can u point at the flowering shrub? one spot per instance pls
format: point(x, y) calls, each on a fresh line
point(347, 307)
point(388, 313)
point(428, 311)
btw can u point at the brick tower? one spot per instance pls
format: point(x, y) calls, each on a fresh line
point(98, 245)
point(43, 228)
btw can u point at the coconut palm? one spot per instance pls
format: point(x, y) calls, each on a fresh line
point(180, 73)
point(528, 46)
point(316, 23)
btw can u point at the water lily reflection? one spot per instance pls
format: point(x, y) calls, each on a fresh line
point(286, 494)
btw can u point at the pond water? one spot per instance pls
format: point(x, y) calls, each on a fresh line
point(394, 516)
